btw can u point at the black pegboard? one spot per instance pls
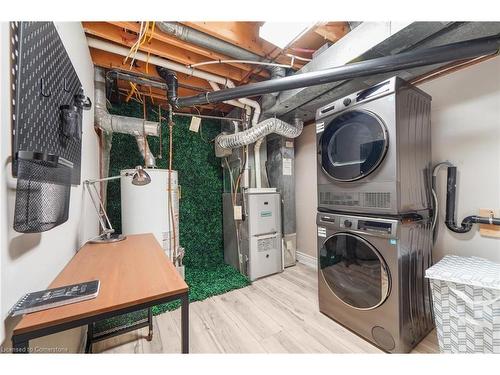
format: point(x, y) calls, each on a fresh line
point(43, 79)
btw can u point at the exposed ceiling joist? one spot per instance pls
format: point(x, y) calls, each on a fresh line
point(332, 31)
point(209, 55)
point(115, 34)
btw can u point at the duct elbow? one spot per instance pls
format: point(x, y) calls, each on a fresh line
point(143, 146)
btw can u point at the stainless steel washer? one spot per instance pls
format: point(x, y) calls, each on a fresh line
point(374, 150)
point(371, 277)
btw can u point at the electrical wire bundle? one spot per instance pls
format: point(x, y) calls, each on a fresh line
point(146, 32)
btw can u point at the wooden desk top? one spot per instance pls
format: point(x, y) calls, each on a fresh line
point(131, 272)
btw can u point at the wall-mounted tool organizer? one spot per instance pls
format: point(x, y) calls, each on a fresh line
point(47, 96)
point(47, 110)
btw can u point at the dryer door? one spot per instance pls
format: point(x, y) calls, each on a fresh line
point(353, 145)
point(354, 270)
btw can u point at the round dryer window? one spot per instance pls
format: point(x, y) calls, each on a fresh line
point(354, 271)
point(353, 145)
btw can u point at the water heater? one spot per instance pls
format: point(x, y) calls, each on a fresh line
point(145, 209)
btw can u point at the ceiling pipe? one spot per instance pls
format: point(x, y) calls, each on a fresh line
point(201, 39)
point(252, 103)
point(235, 103)
point(155, 60)
point(171, 66)
point(406, 60)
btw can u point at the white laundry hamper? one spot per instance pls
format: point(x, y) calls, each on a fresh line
point(466, 303)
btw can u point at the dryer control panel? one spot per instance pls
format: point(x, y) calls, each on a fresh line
point(383, 88)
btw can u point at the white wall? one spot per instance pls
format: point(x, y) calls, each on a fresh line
point(306, 199)
point(465, 131)
point(31, 261)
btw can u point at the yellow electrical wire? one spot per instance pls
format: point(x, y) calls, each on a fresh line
point(152, 31)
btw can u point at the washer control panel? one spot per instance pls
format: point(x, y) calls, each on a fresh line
point(360, 224)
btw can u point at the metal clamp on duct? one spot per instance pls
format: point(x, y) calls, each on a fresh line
point(467, 222)
point(224, 143)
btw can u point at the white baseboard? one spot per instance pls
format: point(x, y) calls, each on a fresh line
point(307, 260)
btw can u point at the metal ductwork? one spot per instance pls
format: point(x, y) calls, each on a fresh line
point(226, 142)
point(406, 60)
point(109, 124)
point(202, 39)
point(212, 43)
point(270, 99)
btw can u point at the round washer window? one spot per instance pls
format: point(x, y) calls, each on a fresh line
point(353, 145)
point(354, 271)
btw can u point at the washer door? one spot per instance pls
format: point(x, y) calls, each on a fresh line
point(354, 271)
point(353, 145)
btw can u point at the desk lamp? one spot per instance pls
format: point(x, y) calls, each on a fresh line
point(139, 178)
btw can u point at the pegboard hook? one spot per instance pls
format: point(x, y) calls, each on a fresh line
point(42, 89)
point(65, 85)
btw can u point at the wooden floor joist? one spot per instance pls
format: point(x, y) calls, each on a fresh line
point(116, 35)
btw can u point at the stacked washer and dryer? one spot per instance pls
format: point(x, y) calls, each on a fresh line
point(374, 208)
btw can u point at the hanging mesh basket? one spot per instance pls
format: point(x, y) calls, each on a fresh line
point(43, 192)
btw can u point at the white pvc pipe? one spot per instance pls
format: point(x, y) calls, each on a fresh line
point(252, 103)
point(123, 51)
point(234, 103)
point(250, 62)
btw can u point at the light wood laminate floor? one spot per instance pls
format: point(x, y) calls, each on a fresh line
point(277, 314)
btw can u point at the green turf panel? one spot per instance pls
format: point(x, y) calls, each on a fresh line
point(200, 208)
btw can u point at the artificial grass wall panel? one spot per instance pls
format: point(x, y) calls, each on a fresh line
point(200, 206)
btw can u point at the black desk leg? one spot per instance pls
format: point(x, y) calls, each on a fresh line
point(90, 336)
point(20, 346)
point(185, 322)
point(150, 324)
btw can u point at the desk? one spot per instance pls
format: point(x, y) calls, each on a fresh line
point(135, 274)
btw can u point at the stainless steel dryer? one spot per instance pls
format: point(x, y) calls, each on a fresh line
point(371, 277)
point(374, 150)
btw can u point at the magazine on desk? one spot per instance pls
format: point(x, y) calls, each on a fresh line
point(49, 298)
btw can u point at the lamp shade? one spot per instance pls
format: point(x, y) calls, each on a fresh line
point(140, 177)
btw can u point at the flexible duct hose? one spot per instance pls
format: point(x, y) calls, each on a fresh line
point(249, 136)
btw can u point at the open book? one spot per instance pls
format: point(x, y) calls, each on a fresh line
point(46, 299)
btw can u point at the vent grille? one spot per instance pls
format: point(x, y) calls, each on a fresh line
point(339, 199)
point(377, 200)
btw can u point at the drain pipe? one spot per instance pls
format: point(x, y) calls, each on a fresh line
point(467, 222)
point(406, 60)
point(109, 124)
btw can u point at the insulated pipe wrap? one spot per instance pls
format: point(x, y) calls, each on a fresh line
point(249, 136)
